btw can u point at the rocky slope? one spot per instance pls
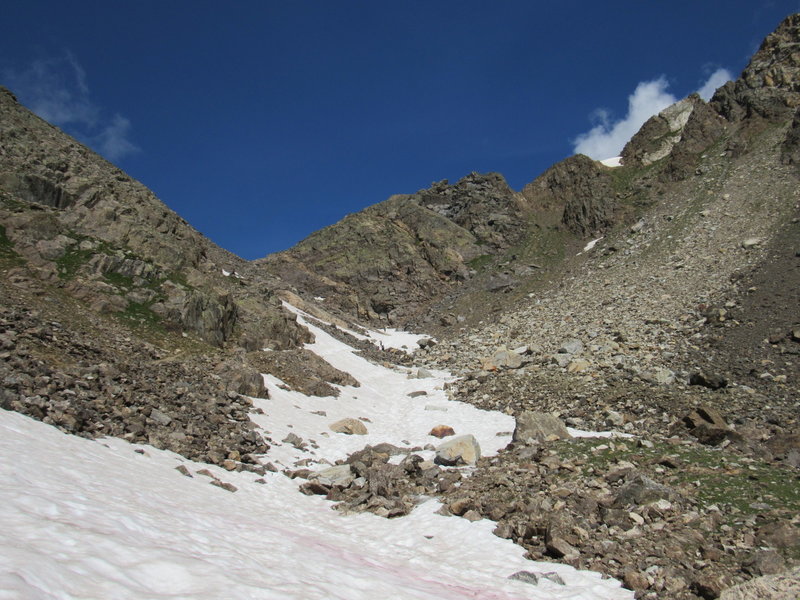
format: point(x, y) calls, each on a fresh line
point(77, 222)
point(388, 262)
point(118, 317)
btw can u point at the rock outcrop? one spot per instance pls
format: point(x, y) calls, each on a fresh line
point(389, 260)
point(769, 87)
point(584, 189)
point(72, 217)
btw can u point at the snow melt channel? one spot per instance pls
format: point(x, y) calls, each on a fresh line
point(382, 402)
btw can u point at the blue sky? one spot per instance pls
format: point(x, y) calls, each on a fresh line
point(262, 121)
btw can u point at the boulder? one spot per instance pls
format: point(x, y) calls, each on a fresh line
point(441, 431)
point(658, 376)
point(349, 426)
point(578, 365)
point(243, 380)
point(339, 475)
point(503, 358)
point(643, 490)
point(573, 346)
point(537, 427)
point(462, 450)
point(709, 380)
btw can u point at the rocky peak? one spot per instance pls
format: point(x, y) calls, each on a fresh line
point(769, 86)
point(483, 204)
point(777, 62)
point(388, 260)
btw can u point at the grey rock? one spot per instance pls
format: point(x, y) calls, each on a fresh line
point(295, 440)
point(340, 475)
point(349, 426)
point(643, 490)
point(159, 417)
point(784, 586)
point(658, 376)
point(461, 450)
point(537, 427)
point(572, 346)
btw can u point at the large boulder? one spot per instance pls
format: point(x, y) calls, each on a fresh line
point(461, 450)
point(349, 426)
point(537, 427)
point(242, 379)
point(503, 358)
point(785, 586)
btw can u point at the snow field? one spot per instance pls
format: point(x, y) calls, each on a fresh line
point(95, 519)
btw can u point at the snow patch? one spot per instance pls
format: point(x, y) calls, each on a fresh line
point(387, 338)
point(615, 161)
point(589, 246)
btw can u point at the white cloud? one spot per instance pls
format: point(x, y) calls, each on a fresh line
point(56, 90)
point(717, 79)
point(607, 137)
point(113, 140)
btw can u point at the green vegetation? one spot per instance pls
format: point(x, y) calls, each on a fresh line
point(72, 260)
point(140, 314)
point(480, 262)
point(118, 280)
point(740, 486)
point(6, 245)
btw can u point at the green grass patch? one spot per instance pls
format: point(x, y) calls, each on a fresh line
point(480, 262)
point(179, 278)
point(140, 314)
point(72, 260)
point(741, 486)
point(118, 280)
point(6, 245)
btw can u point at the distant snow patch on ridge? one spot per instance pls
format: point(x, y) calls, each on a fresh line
point(608, 137)
point(386, 338)
point(615, 161)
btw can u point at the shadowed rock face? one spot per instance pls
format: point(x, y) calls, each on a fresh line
point(583, 187)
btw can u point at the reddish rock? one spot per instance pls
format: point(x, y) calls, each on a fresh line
point(441, 431)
